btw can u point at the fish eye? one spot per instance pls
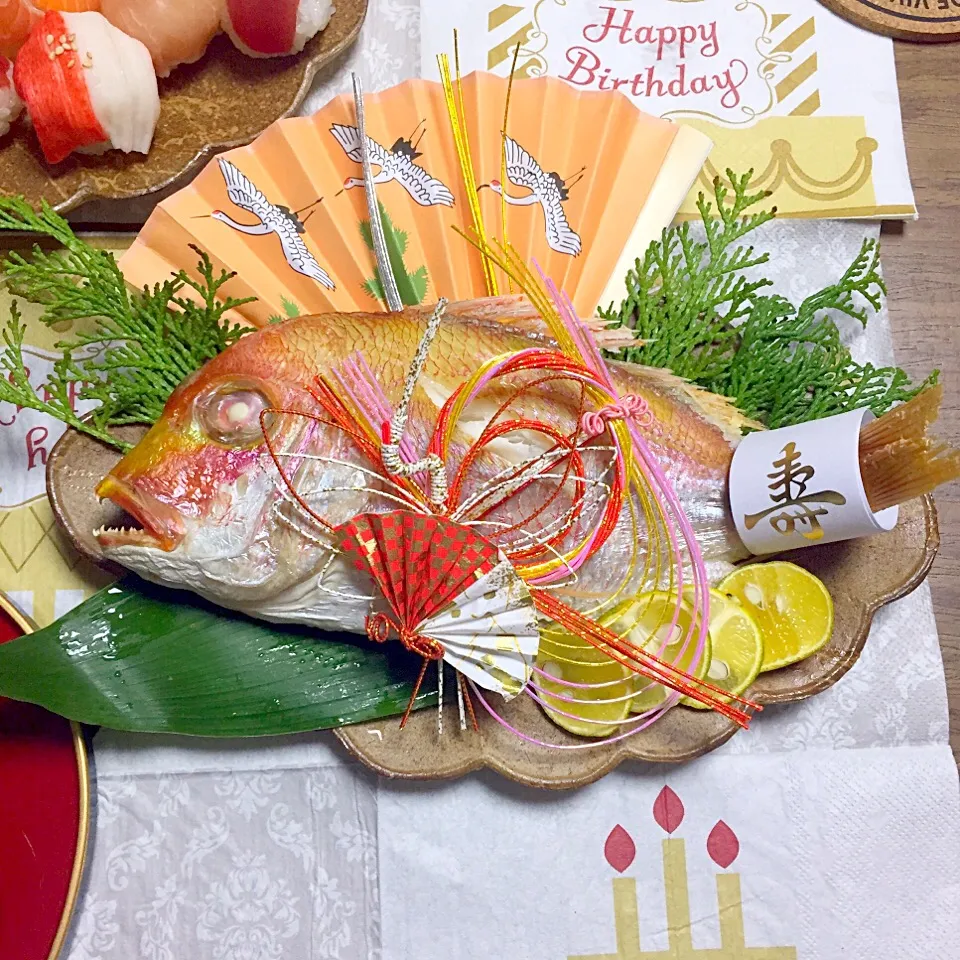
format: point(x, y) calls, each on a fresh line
point(230, 414)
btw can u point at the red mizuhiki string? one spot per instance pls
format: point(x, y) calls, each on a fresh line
point(562, 367)
point(573, 463)
point(572, 455)
point(638, 660)
point(378, 629)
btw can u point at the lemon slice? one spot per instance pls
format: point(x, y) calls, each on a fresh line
point(736, 645)
point(596, 711)
point(792, 608)
point(646, 622)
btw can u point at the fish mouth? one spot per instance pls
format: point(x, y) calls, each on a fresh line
point(161, 525)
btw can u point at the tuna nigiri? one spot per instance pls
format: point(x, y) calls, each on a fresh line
point(11, 106)
point(17, 18)
point(285, 29)
point(87, 86)
point(174, 31)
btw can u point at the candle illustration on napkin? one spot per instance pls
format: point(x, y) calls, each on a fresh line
point(723, 848)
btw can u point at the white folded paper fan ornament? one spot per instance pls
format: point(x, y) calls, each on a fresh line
point(588, 182)
point(451, 595)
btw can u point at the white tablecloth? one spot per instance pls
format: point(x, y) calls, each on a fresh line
point(845, 806)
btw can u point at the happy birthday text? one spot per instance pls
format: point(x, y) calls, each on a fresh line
point(672, 75)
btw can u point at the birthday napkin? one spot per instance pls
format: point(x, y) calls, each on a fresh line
point(806, 99)
point(817, 855)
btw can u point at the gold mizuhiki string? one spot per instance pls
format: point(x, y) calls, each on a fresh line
point(458, 127)
point(503, 157)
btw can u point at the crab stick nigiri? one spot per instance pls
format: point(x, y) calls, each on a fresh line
point(87, 86)
point(11, 106)
point(282, 30)
point(174, 31)
point(17, 18)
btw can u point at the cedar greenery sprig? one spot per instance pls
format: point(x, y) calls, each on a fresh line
point(412, 287)
point(290, 309)
point(685, 296)
point(704, 320)
point(689, 299)
point(142, 344)
point(15, 386)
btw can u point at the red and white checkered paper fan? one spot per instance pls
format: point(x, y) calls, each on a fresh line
point(445, 582)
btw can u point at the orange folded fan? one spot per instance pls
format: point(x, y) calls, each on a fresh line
point(581, 182)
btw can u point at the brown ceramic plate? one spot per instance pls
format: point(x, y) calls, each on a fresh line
point(862, 576)
point(224, 100)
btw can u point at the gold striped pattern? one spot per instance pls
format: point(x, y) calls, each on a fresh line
point(800, 35)
point(796, 76)
point(797, 40)
point(808, 107)
point(500, 15)
point(502, 50)
point(507, 48)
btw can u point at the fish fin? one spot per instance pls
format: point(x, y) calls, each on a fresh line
point(715, 409)
point(514, 313)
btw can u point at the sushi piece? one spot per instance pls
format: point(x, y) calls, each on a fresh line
point(11, 106)
point(87, 86)
point(174, 31)
point(17, 18)
point(285, 30)
point(69, 6)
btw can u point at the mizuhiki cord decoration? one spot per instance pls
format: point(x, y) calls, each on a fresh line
point(591, 488)
point(393, 432)
point(593, 423)
point(384, 269)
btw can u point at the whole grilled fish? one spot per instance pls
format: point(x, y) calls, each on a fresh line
point(218, 520)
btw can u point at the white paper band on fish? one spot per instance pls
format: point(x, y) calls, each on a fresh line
point(802, 485)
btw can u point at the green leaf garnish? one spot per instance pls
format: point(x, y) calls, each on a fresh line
point(702, 317)
point(143, 658)
point(142, 344)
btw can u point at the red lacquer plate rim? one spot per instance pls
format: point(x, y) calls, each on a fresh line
point(83, 798)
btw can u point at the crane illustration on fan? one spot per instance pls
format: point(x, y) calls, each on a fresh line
point(547, 189)
point(273, 218)
point(584, 228)
point(396, 164)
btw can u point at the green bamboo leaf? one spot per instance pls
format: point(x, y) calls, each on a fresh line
point(141, 658)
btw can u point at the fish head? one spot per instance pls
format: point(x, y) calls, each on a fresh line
point(202, 484)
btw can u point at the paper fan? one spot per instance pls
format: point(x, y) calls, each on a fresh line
point(590, 181)
point(448, 585)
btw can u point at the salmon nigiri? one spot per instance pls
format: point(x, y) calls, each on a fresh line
point(11, 106)
point(87, 86)
point(17, 18)
point(69, 6)
point(174, 31)
point(283, 29)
